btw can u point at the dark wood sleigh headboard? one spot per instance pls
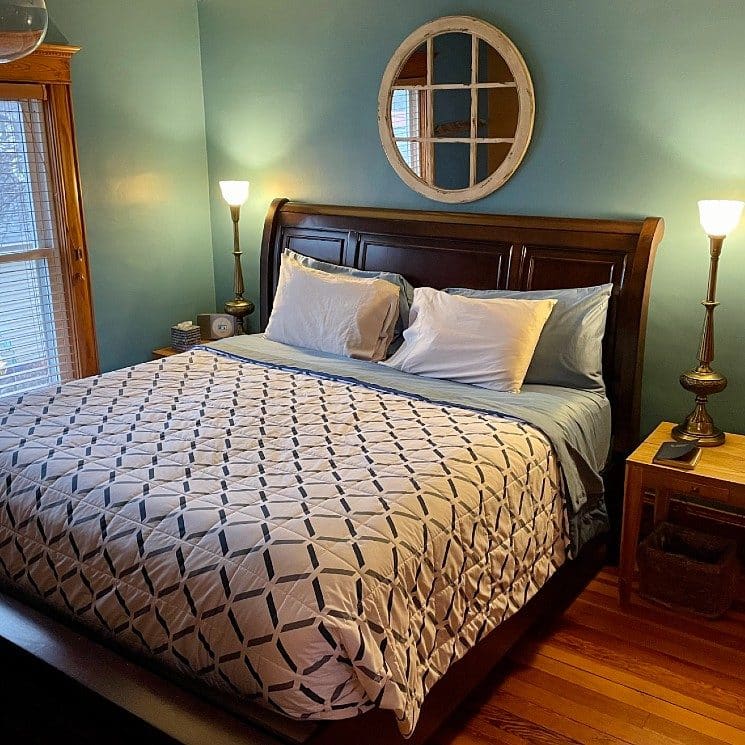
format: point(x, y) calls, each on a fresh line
point(447, 249)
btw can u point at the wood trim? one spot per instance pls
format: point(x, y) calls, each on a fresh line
point(632, 329)
point(50, 63)
point(22, 91)
point(49, 69)
point(73, 247)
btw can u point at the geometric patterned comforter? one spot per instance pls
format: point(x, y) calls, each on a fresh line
point(315, 545)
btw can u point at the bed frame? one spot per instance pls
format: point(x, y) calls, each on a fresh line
point(438, 249)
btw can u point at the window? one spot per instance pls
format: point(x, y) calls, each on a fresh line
point(46, 329)
point(34, 343)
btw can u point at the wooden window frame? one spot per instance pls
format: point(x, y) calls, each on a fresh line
point(49, 66)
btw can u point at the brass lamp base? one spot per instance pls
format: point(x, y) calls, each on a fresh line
point(239, 309)
point(686, 432)
point(698, 426)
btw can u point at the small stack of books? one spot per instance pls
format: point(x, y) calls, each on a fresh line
point(683, 455)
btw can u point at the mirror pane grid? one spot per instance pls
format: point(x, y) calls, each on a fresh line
point(474, 105)
point(463, 97)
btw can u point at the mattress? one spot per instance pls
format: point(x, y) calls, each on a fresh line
point(317, 544)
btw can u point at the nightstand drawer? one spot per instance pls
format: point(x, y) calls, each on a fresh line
point(686, 487)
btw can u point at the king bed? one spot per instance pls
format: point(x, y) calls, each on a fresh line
point(282, 545)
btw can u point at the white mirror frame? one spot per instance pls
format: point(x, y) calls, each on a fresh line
point(478, 29)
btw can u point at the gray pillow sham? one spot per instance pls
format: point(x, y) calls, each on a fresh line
point(406, 291)
point(336, 313)
point(570, 351)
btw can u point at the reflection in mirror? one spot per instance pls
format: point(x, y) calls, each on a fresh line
point(436, 102)
point(455, 109)
point(492, 67)
point(406, 120)
point(451, 165)
point(498, 110)
point(452, 113)
point(408, 112)
point(489, 156)
point(452, 59)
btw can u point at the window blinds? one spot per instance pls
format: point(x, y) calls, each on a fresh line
point(35, 345)
point(406, 121)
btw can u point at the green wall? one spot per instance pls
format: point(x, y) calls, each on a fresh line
point(137, 90)
point(640, 112)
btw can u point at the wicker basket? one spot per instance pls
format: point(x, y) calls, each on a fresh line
point(685, 569)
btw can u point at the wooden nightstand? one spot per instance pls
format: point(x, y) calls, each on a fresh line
point(159, 354)
point(719, 476)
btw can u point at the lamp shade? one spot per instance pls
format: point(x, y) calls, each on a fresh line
point(23, 26)
point(235, 193)
point(719, 217)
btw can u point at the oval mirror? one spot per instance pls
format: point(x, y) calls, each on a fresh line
point(456, 109)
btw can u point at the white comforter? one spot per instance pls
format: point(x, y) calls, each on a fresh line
point(316, 545)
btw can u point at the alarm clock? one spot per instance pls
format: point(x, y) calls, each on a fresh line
point(216, 325)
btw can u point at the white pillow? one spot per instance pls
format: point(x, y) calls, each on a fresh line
point(335, 313)
point(489, 343)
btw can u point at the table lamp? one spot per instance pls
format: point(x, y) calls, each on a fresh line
point(235, 193)
point(718, 219)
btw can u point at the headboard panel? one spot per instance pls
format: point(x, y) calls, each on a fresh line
point(445, 249)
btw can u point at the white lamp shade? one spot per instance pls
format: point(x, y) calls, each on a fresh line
point(719, 217)
point(235, 193)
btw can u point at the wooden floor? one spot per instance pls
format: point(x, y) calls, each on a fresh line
point(600, 675)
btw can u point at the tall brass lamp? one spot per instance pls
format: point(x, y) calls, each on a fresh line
point(235, 193)
point(718, 218)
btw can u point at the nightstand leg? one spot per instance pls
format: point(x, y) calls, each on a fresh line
point(661, 506)
point(632, 517)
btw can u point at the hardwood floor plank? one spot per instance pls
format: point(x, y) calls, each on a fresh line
point(657, 726)
point(675, 642)
point(597, 718)
point(630, 694)
point(718, 697)
point(581, 694)
point(641, 675)
point(607, 595)
point(476, 732)
point(633, 714)
point(666, 619)
point(533, 711)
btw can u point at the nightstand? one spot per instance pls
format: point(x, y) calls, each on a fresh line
point(159, 354)
point(719, 476)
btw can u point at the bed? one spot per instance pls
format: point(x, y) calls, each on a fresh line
point(263, 524)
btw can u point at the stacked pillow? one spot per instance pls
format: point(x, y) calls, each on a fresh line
point(497, 339)
point(488, 343)
point(570, 351)
point(406, 291)
point(337, 313)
